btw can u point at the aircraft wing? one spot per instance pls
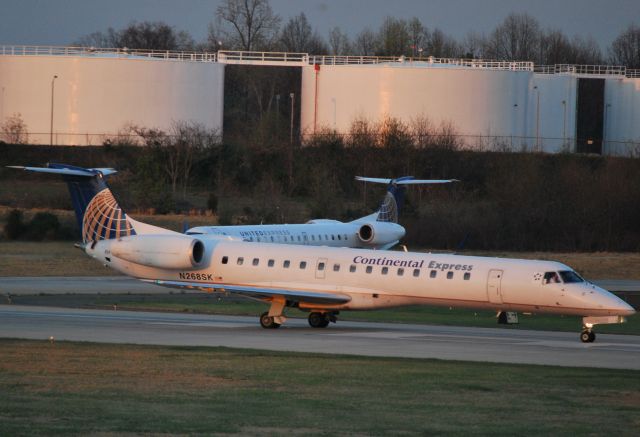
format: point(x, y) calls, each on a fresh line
point(260, 292)
point(401, 181)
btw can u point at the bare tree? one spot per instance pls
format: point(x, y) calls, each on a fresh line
point(473, 46)
point(339, 42)
point(394, 38)
point(442, 46)
point(145, 35)
point(98, 39)
point(516, 39)
point(296, 34)
point(14, 130)
point(365, 43)
point(249, 24)
point(555, 48)
point(586, 51)
point(418, 36)
point(625, 49)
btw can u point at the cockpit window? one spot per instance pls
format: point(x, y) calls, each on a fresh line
point(551, 278)
point(569, 276)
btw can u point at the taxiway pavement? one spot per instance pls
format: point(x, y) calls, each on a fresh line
point(352, 338)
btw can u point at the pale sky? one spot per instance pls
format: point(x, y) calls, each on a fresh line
point(60, 22)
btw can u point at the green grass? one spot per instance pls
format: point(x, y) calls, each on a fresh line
point(84, 388)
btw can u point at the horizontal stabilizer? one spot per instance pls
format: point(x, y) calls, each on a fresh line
point(407, 180)
point(261, 292)
point(67, 170)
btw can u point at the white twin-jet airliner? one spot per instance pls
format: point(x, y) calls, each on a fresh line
point(379, 230)
point(324, 280)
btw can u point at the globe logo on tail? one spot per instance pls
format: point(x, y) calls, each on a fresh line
point(104, 219)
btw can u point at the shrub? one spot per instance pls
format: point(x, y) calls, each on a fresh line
point(14, 227)
point(43, 226)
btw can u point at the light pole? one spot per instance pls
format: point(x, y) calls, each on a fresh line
point(333, 100)
point(564, 124)
point(278, 115)
point(292, 97)
point(53, 80)
point(537, 120)
point(605, 133)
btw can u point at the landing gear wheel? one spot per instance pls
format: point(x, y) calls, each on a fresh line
point(318, 320)
point(267, 322)
point(587, 336)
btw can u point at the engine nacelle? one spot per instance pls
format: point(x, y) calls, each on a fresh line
point(176, 252)
point(376, 233)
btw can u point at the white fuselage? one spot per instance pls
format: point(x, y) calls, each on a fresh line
point(379, 279)
point(323, 232)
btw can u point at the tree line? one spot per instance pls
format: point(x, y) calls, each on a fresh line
point(252, 25)
point(504, 201)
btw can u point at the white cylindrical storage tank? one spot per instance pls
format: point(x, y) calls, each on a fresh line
point(551, 113)
point(96, 96)
point(622, 117)
point(484, 106)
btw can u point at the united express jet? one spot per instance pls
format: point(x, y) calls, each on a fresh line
point(379, 230)
point(324, 280)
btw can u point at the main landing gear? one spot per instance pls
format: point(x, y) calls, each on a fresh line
point(587, 336)
point(268, 322)
point(321, 320)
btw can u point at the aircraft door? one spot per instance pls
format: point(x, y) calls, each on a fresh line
point(321, 267)
point(494, 291)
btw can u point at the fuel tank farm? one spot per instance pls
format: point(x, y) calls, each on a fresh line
point(489, 105)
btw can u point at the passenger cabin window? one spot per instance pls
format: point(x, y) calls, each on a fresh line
point(449, 275)
point(551, 278)
point(336, 267)
point(369, 269)
point(240, 260)
point(339, 238)
point(467, 276)
point(225, 259)
point(352, 268)
point(400, 271)
point(271, 263)
point(320, 266)
point(416, 272)
point(333, 237)
point(570, 277)
point(256, 261)
point(303, 265)
point(433, 273)
point(286, 264)
point(313, 238)
point(385, 270)
point(345, 236)
point(272, 238)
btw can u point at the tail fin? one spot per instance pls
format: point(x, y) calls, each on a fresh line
point(97, 211)
point(394, 199)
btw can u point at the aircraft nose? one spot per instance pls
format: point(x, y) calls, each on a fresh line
point(617, 305)
point(625, 309)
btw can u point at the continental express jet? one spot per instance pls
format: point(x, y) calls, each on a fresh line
point(324, 280)
point(379, 230)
